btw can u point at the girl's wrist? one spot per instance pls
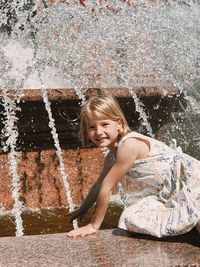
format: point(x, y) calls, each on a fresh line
point(94, 226)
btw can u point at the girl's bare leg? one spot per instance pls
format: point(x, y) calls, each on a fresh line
point(198, 227)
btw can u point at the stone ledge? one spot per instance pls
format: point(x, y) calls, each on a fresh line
point(109, 248)
point(69, 93)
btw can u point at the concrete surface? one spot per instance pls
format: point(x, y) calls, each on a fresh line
point(108, 248)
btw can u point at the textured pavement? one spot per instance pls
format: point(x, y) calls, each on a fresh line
point(107, 248)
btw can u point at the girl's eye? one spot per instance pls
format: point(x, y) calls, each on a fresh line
point(90, 127)
point(105, 124)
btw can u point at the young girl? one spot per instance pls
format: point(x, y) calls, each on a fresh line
point(168, 202)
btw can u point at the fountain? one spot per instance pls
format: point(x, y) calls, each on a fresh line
point(144, 52)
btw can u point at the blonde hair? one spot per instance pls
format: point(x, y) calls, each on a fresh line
point(102, 107)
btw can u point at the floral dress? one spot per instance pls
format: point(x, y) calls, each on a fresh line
point(166, 199)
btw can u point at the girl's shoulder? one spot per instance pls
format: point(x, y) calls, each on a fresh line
point(130, 135)
point(128, 142)
point(129, 147)
point(155, 146)
point(133, 138)
point(132, 148)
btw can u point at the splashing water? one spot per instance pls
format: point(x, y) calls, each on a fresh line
point(143, 116)
point(103, 43)
point(11, 132)
point(59, 153)
point(100, 44)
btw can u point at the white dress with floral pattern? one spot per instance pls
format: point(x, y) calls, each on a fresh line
point(168, 199)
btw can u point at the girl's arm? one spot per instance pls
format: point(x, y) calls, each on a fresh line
point(93, 193)
point(124, 161)
point(126, 155)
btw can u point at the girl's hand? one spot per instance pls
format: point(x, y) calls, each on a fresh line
point(83, 231)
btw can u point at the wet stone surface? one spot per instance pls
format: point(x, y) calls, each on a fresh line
point(109, 248)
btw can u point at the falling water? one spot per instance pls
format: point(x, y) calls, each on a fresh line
point(143, 116)
point(176, 123)
point(59, 153)
point(101, 44)
point(10, 131)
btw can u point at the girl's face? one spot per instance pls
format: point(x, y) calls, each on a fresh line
point(103, 132)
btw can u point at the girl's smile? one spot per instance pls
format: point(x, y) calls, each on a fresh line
point(103, 132)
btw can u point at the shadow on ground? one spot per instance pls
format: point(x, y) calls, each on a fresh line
point(192, 237)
